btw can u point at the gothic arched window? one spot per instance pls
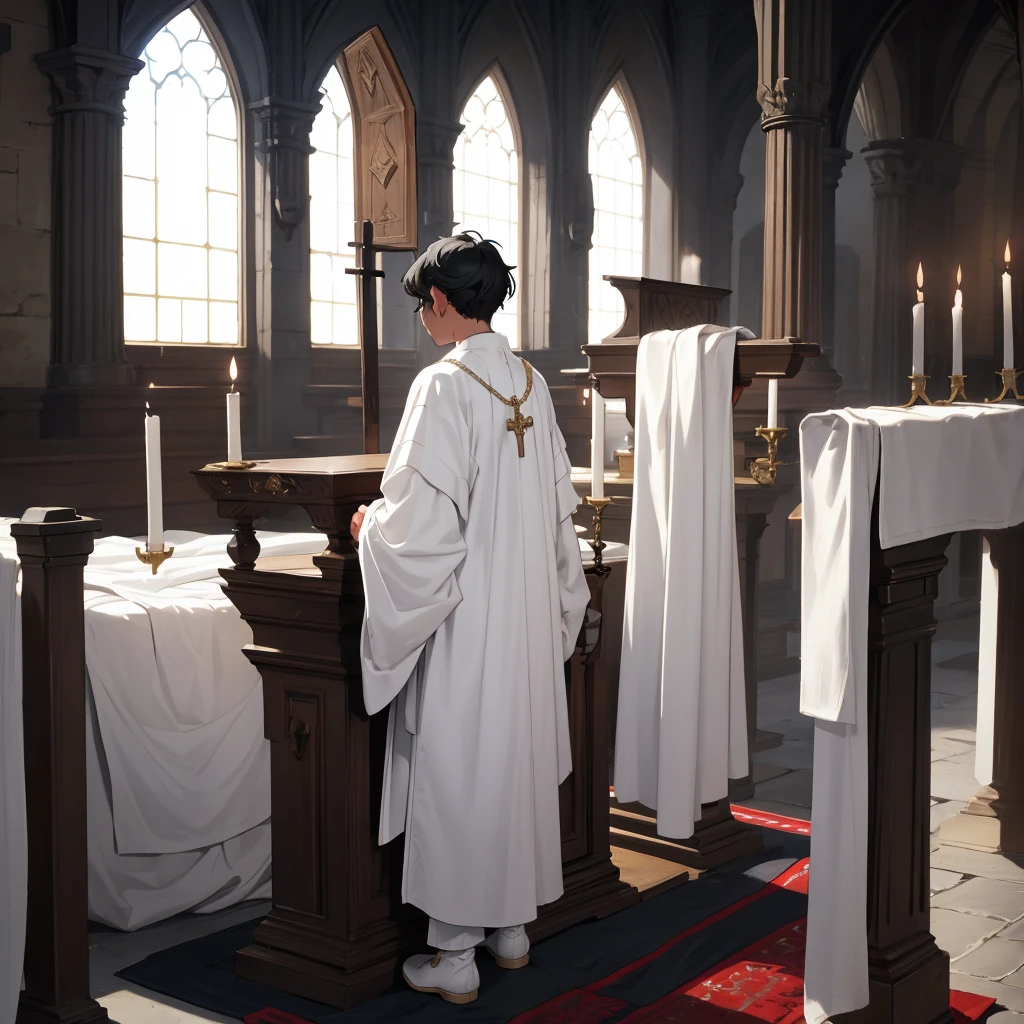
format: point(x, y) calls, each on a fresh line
point(180, 167)
point(618, 242)
point(333, 317)
point(486, 185)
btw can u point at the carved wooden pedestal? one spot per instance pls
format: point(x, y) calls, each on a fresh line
point(338, 930)
point(909, 974)
point(993, 821)
point(53, 548)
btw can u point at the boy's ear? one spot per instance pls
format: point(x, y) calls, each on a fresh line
point(438, 299)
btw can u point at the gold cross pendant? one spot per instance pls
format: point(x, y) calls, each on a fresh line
point(518, 425)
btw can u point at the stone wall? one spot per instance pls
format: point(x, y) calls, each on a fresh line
point(25, 198)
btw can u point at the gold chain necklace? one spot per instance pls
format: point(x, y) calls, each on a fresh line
point(517, 423)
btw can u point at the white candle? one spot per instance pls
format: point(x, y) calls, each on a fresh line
point(958, 328)
point(596, 444)
point(1007, 313)
point(773, 402)
point(234, 419)
point(154, 485)
point(918, 357)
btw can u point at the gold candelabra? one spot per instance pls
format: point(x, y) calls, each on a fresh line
point(1009, 376)
point(765, 469)
point(918, 390)
point(956, 389)
point(154, 558)
point(598, 545)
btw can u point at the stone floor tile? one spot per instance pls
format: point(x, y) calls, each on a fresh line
point(943, 810)
point(940, 881)
point(1013, 931)
point(971, 862)
point(791, 788)
point(1016, 980)
point(994, 959)
point(958, 714)
point(985, 897)
point(142, 1007)
point(1005, 1017)
point(966, 758)
point(943, 747)
point(953, 781)
point(794, 753)
point(764, 772)
point(954, 683)
point(1005, 994)
point(959, 934)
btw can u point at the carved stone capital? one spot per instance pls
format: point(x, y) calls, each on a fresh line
point(792, 100)
point(832, 163)
point(282, 136)
point(435, 142)
point(86, 80)
point(901, 166)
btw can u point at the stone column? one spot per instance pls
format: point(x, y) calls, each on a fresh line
point(88, 289)
point(53, 546)
point(833, 162)
point(794, 58)
point(913, 181)
point(993, 820)
point(282, 128)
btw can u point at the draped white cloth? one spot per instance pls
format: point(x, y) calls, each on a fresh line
point(13, 838)
point(475, 595)
point(177, 767)
point(682, 731)
point(913, 455)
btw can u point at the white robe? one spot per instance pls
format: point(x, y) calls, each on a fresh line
point(475, 595)
point(682, 731)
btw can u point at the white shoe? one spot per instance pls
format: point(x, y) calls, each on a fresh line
point(509, 946)
point(451, 974)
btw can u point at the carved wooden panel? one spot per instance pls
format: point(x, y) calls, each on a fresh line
point(384, 134)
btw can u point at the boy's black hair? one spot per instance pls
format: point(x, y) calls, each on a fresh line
point(468, 270)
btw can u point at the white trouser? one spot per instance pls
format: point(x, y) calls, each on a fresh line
point(453, 936)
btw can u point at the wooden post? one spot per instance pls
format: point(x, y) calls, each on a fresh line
point(53, 546)
point(368, 355)
point(908, 973)
point(993, 821)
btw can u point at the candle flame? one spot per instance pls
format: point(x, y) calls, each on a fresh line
point(233, 370)
point(958, 276)
point(920, 277)
point(1006, 252)
point(152, 385)
point(147, 408)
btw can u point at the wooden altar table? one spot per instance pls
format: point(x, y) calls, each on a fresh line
point(338, 930)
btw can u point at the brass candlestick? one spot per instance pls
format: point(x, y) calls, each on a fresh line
point(764, 470)
point(154, 558)
point(956, 389)
point(1009, 377)
point(918, 388)
point(598, 545)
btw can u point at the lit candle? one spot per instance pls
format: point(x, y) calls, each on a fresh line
point(773, 402)
point(596, 444)
point(234, 418)
point(958, 327)
point(1007, 313)
point(918, 366)
point(154, 485)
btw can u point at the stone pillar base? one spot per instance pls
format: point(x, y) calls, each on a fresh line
point(985, 825)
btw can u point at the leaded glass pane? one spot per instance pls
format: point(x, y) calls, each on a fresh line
point(333, 317)
point(180, 192)
point(485, 188)
point(618, 242)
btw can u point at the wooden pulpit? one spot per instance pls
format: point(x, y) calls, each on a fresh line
point(338, 930)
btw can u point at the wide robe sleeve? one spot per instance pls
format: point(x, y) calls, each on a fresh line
point(409, 549)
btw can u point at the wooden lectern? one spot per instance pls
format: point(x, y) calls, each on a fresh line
point(668, 305)
point(338, 930)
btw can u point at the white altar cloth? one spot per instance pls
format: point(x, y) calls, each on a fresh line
point(682, 732)
point(177, 766)
point(939, 470)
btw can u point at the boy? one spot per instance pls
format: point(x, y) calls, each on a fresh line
point(475, 595)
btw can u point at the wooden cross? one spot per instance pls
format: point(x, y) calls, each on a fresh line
point(518, 425)
point(366, 310)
